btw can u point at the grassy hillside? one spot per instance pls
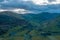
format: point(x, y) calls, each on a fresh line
point(44, 26)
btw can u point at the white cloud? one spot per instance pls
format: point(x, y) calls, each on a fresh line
point(38, 2)
point(19, 11)
point(45, 2)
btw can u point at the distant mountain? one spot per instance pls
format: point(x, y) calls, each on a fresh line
point(40, 17)
point(43, 21)
point(7, 18)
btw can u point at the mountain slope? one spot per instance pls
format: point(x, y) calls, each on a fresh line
point(29, 26)
point(40, 17)
point(45, 22)
point(10, 20)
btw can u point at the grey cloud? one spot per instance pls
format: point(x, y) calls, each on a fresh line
point(29, 5)
point(51, 0)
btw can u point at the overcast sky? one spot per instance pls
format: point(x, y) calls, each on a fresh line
point(38, 2)
point(32, 5)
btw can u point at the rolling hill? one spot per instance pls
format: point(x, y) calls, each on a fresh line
point(15, 26)
point(10, 20)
